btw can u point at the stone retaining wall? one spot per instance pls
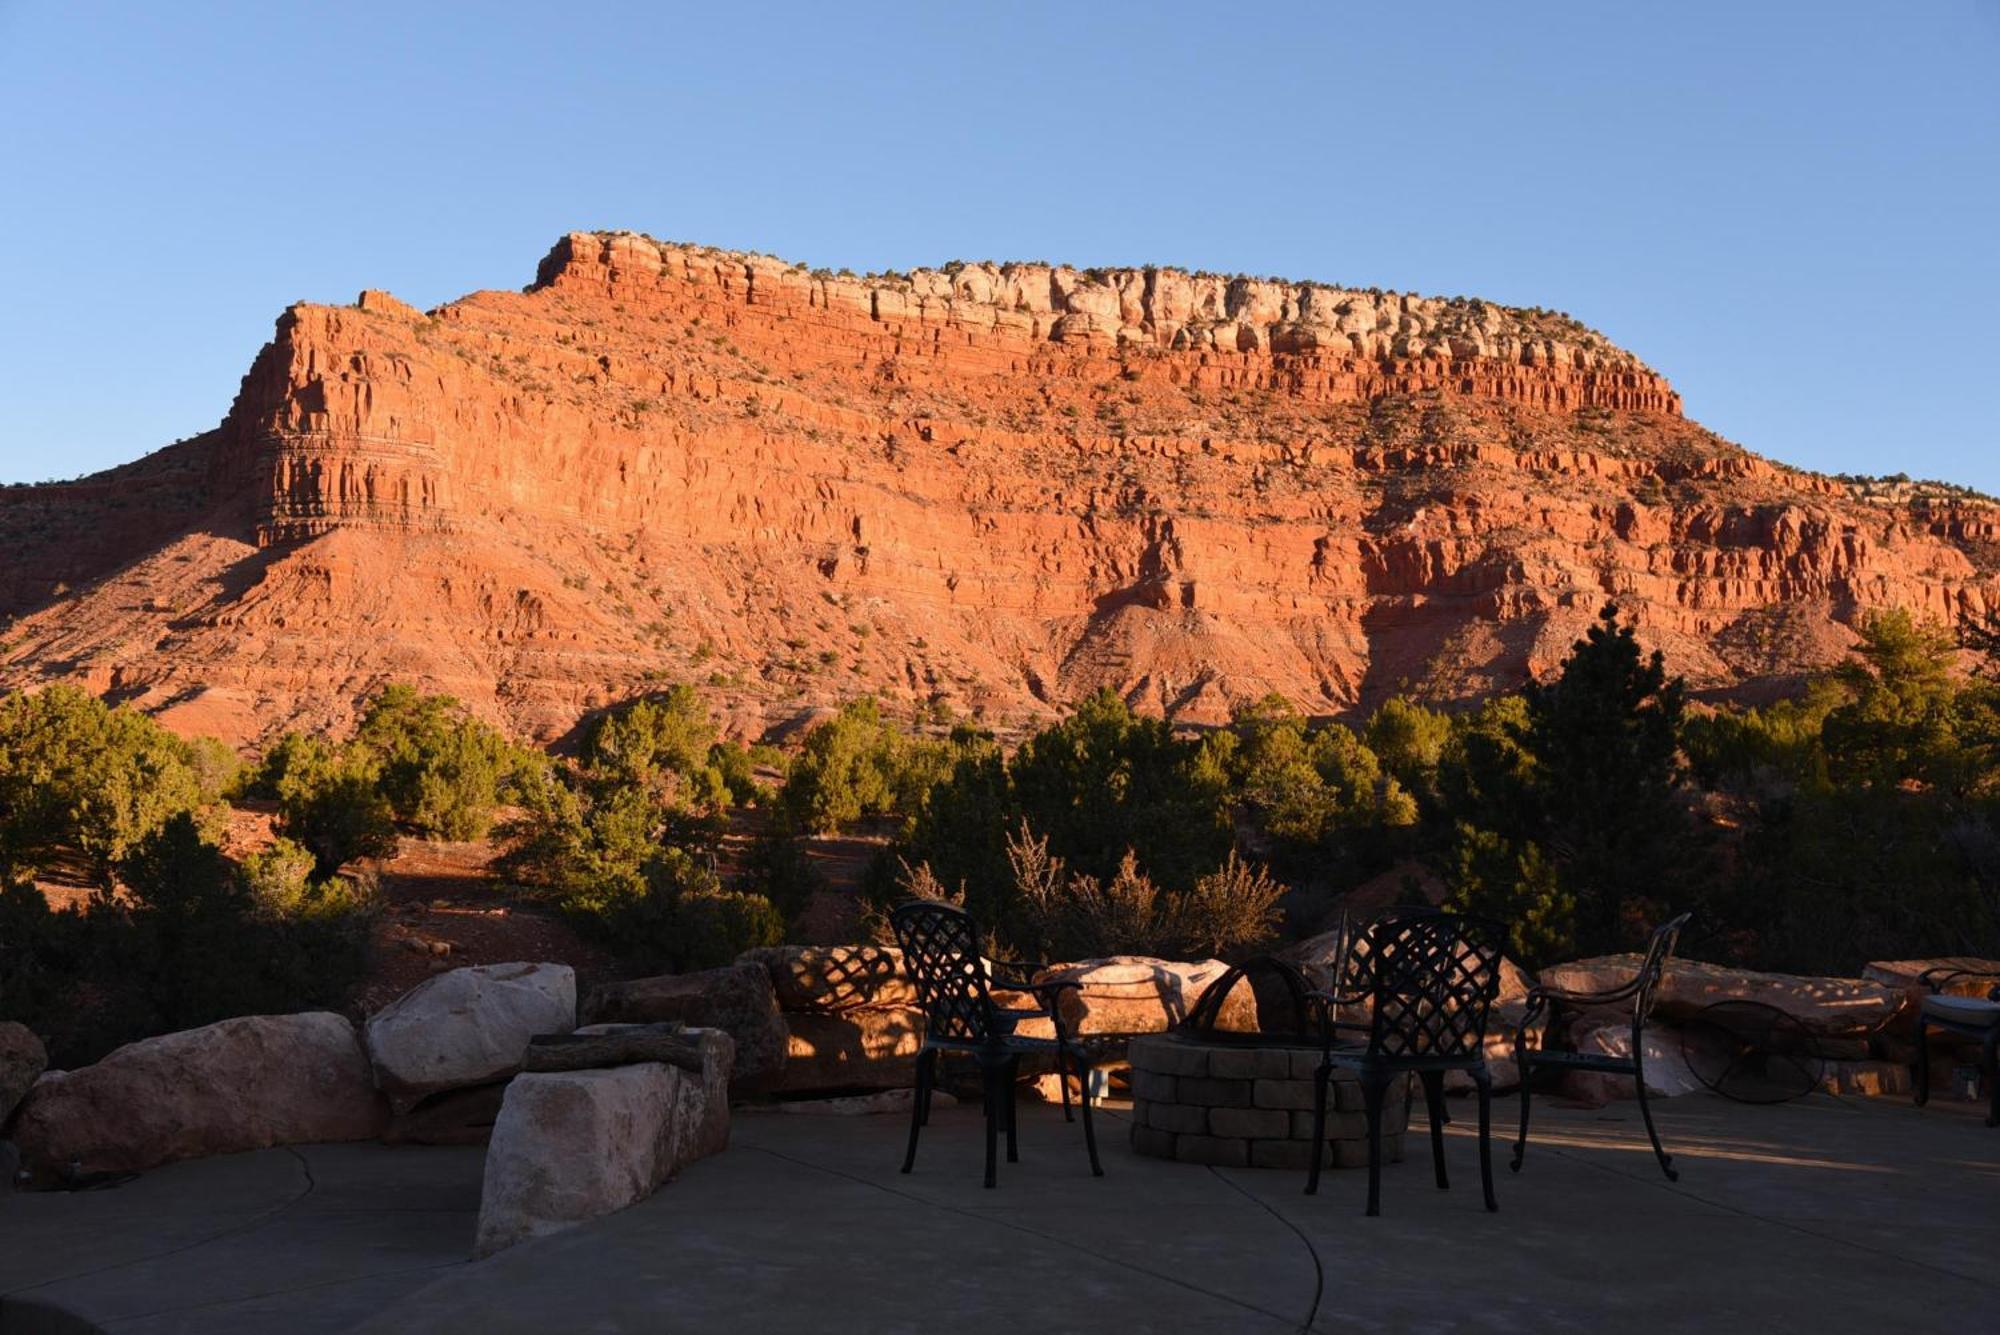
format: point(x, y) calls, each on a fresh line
point(1242, 1107)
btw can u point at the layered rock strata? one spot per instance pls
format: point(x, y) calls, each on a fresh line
point(988, 487)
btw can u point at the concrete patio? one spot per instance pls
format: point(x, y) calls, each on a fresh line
point(1827, 1215)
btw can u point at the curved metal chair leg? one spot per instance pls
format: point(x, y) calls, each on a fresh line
point(1089, 1129)
point(1921, 1076)
point(987, 1073)
point(1321, 1078)
point(1063, 1066)
point(1373, 1088)
point(1659, 1151)
point(1524, 1066)
point(1484, 1083)
point(1433, 1082)
point(1993, 1076)
point(927, 1064)
point(918, 1102)
point(1010, 1074)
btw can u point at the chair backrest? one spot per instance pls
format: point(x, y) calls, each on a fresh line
point(1659, 950)
point(1351, 973)
point(941, 953)
point(1431, 978)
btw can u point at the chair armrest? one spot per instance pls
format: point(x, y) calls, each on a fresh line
point(1559, 997)
point(1935, 979)
point(1024, 971)
point(1050, 996)
point(1325, 1002)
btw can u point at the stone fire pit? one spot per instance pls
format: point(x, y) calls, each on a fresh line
point(1239, 1106)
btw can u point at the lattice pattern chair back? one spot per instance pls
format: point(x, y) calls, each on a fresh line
point(1432, 978)
point(1659, 950)
point(1354, 977)
point(941, 952)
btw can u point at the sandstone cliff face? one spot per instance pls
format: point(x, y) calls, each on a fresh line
point(991, 487)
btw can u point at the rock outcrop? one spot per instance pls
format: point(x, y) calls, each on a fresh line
point(994, 487)
point(241, 1084)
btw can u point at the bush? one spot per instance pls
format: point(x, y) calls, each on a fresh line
point(1410, 742)
point(1072, 915)
point(442, 771)
point(582, 841)
point(77, 775)
point(1104, 781)
point(1872, 810)
point(218, 770)
point(1569, 822)
point(42, 953)
point(1307, 787)
point(191, 940)
point(1094, 786)
point(784, 875)
point(330, 800)
point(846, 769)
point(672, 914)
point(711, 928)
point(280, 878)
point(737, 765)
point(623, 838)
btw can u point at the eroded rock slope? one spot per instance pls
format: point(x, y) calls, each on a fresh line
point(991, 487)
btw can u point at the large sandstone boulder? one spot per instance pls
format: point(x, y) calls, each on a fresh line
point(22, 1061)
point(1829, 1007)
point(1317, 956)
point(466, 1027)
point(572, 1145)
point(1503, 1023)
point(737, 999)
point(242, 1084)
point(1135, 994)
point(873, 1047)
point(1667, 1070)
point(835, 978)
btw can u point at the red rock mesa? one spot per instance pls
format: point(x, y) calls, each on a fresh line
point(993, 487)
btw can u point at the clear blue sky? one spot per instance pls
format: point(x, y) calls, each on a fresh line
point(1790, 209)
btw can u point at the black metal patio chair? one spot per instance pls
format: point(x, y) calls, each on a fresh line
point(1974, 1018)
point(955, 987)
point(1430, 979)
point(1554, 1002)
